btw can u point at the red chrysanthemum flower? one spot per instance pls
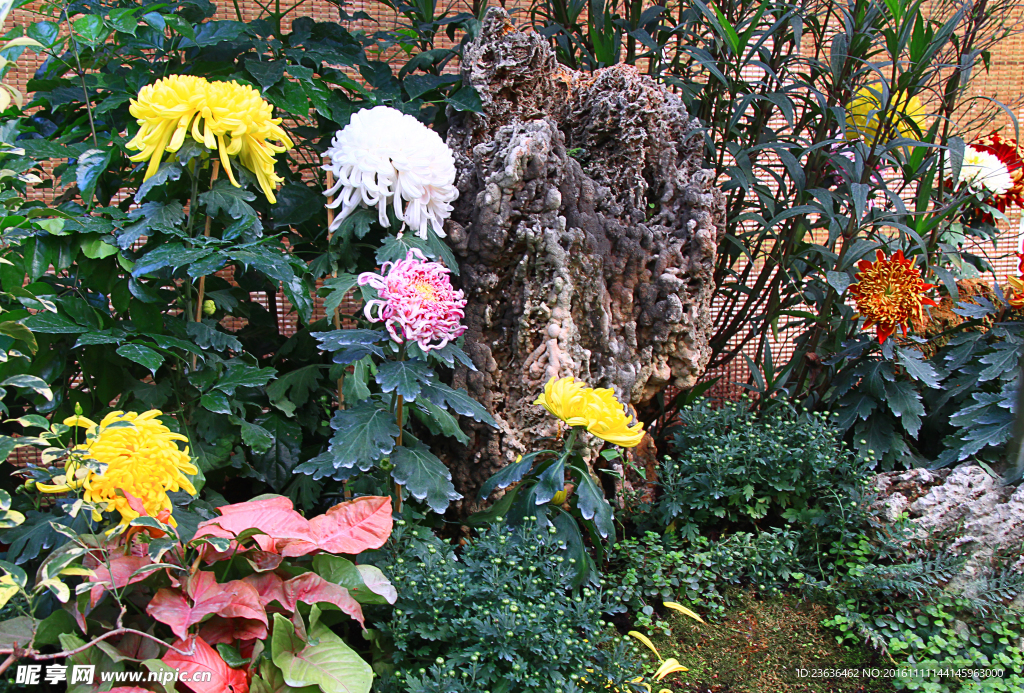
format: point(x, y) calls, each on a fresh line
point(890, 294)
point(1007, 151)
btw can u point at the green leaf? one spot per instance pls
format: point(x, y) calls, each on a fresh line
point(52, 323)
point(217, 402)
point(142, 355)
point(357, 579)
point(509, 474)
point(905, 402)
point(550, 481)
point(18, 631)
point(34, 383)
point(214, 32)
point(254, 435)
point(244, 375)
point(440, 421)
point(208, 337)
point(231, 656)
point(591, 502)
point(227, 198)
point(97, 248)
point(458, 401)
point(123, 20)
point(276, 464)
point(1004, 358)
point(51, 627)
point(423, 475)
point(90, 29)
point(290, 97)
point(91, 165)
point(363, 434)
point(917, 367)
point(300, 383)
point(173, 255)
point(330, 663)
point(168, 171)
point(466, 99)
point(266, 72)
point(338, 287)
point(404, 377)
point(210, 456)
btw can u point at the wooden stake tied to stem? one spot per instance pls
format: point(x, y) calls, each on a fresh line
point(206, 232)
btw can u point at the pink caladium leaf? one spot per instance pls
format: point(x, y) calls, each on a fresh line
point(221, 679)
point(235, 599)
point(349, 527)
point(269, 587)
point(310, 588)
point(274, 516)
point(117, 572)
point(227, 630)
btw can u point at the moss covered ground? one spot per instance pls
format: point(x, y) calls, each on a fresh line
point(760, 646)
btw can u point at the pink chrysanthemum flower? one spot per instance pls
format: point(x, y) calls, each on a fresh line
point(417, 302)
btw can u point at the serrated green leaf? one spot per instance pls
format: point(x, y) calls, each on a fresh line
point(458, 401)
point(404, 377)
point(254, 435)
point(227, 198)
point(591, 502)
point(905, 402)
point(423, 475)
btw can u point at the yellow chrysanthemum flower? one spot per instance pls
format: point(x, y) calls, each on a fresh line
point(596, 410)
point(565, 398)
point(142, 459)
point(863, 121)
point(228, 117)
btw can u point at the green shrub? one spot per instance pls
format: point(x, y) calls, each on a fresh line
point(698, 571)
point(499, 615)
point(898, 593)
point(729, 466)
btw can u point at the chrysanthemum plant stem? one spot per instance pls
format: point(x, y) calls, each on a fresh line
point(399, 407)
point(336, 317)
point(202, 279)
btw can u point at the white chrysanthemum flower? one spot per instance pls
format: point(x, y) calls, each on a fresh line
point(384, 156)
point(985, 170)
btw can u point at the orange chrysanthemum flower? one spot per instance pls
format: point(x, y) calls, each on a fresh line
point(890, 293)
point(1008, 152)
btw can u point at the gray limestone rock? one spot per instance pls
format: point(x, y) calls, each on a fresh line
point(585, 232)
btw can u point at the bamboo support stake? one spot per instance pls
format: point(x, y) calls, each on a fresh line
point(336, 318)
point(202, 279)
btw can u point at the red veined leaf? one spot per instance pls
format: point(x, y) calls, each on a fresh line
point(223, 679)
point(171, 606)
point(227, 630)
point(349, 527)
point(117, 573)
point(274, 516)
point(310, 588)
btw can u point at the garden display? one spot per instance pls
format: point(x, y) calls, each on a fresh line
point(554, 347)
